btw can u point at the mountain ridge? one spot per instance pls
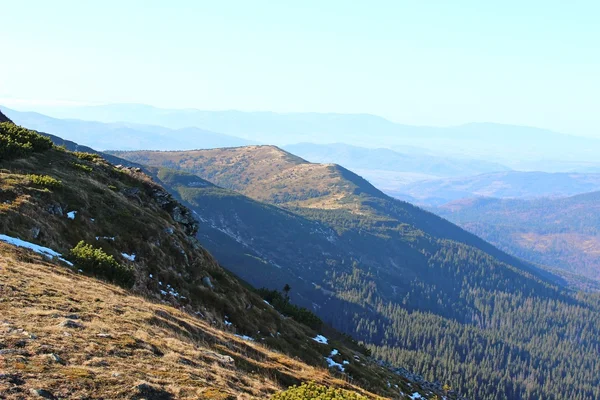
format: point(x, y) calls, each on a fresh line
point(393, 275)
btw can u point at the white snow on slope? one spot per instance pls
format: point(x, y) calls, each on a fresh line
point(31, 246)
point(71, 214)
point(416, 395)
point(245, 337)
point(130, 257)
point(332, 363)
point(320, 339)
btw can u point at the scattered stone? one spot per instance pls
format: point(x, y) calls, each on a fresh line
point(42, 393)
point(35, 232)
point(206, 281)
point(72, 316)
point(69, 323)
point(31, 336)
point(226, 360)
point(104, 335)
point(55, 358)
point(55, 209)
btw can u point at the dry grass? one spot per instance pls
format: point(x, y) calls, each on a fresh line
point(125, 341)
point(264, 173)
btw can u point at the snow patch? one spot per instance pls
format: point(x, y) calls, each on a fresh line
point(130, 257)
point(415, 396)
point(332, 363)
point(36, 248)
point(105, 238)
point(245, 337)
point(71, 214)
point(320, 339)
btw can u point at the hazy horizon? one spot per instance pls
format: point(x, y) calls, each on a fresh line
point(434, 64)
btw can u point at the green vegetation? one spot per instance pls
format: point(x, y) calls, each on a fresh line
point(17, 142)
point(282, 304)
point(97, 262)
point(83, 167)
point(45, 181)
point(86, 156)
point(312, 391)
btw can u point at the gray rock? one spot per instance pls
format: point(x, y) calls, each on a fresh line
point(35, 232)
point(206, 281)
point(41, 393)
point(55, 209)
point(55, 358)
point(69, 323)
point(226, 360)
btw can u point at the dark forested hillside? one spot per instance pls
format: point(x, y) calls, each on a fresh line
point(562, 233)
point(419, 291)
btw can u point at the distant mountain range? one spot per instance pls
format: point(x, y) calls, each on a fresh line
point(506, 144)
point(509, 184)
point(388, 169)
point(563, 233)
point(125, 135)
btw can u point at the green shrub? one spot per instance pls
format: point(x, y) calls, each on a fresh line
point(98, 263)
point(312, 391)
point(45, 180)
point(113, 188)
point(86, 156)
point(16, 142)
point(282, 304)
point(82, 167)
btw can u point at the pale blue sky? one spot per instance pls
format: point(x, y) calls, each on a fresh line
point(415, 62)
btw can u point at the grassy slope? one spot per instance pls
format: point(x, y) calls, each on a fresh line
point(126, 340)
point(144, 220)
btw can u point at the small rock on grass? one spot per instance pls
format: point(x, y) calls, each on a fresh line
point(69, 323)
point(44, 394)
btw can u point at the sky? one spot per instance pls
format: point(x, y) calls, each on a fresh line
point(429, 62)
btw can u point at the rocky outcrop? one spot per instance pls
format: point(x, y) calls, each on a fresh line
point(179, 213)
point(4, 118)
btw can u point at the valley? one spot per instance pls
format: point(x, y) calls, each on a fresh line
point(418, 290)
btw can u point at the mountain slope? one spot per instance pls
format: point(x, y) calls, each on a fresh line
point(420, 291)
point(101, 227)
point(125, 136)
point(562, 233)
point(512, 184)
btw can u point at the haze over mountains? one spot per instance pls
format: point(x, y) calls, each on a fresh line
point(509, 184)
point(495, 142)
point(125, 135)
point(563, 232)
